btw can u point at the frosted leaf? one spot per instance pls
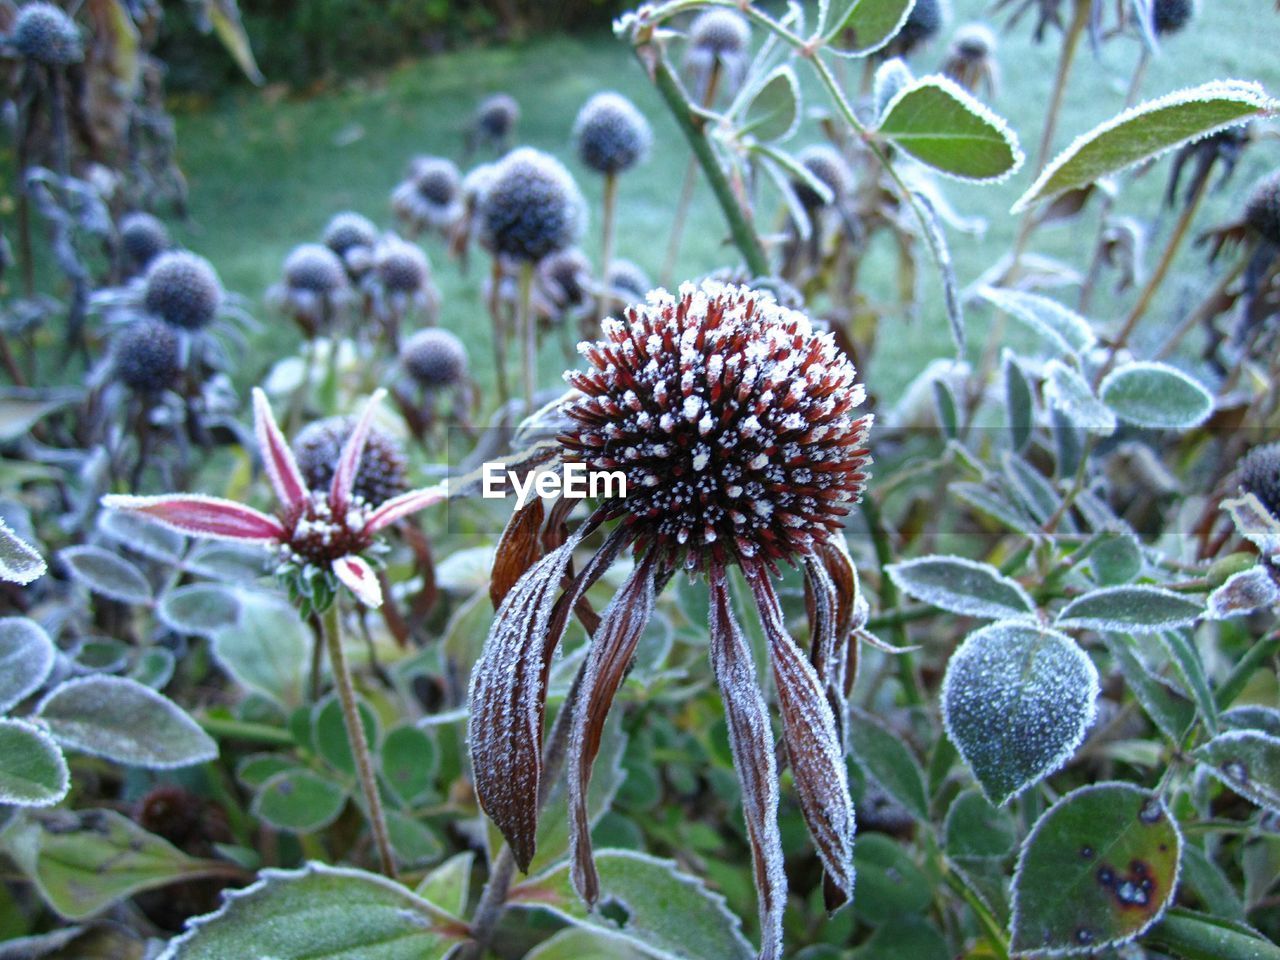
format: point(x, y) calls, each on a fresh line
point(1067, 391)
point(107, 574)
point(1136, 609)
point(32, 770)
point(1156, 395)
point(962, 586)
point(1243, 593)
point(1031, 489)
point(1065, 330)
point(1255, 523)
point(1248, 762)
point(1253, 717)
point(832, 612)
point(20, 562)
point(265, 648)
point(138, 533)
point(26, 657)
point(1017, 701)
point(200, 609)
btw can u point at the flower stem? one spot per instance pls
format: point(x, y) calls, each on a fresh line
point(355, 736)
point(527, 326)
point(605, 303)
point(499, 333)
point(690, 181)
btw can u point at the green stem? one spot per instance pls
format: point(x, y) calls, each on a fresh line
point(355, 736)
point(527, 328)
point(889, 600)
point(223, 728)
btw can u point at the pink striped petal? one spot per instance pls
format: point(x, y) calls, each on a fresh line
point(344, 477)
point(360, 579)
point(397, 508)
point(276, 455)
point(202, 516)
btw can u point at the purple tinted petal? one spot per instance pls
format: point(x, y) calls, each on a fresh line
point(202, 516)
point(397, 508)
point(278, 459)
point(344, 475)
point(359, 578)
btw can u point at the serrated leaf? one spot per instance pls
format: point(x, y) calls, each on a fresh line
point(1146, 131)
point(975, 829)
point(20, 562)
point(670, 915)
point(138, 533)
point(1017, 701)
point(774, 111)
point(299, 800)
point(942, 125)
point(1065, 330)
point(1156, 395)
point(962, 586)
point(1131, 609)
point(267, 649)
point(320, 912)
point(106, 574)
point(122, 720)
point(856, 28)
point(884, 756)
point(26, 657)
point(1096, 871)
point(1247, 761)
point(32, 770)
point(200, 609)
point(1066, 390)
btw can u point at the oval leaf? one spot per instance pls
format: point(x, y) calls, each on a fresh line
point(137, 532)
point(299, 800)
point(885, 757)
point(26, 657)
point(774, 110)
point(1129, 610)
point(1016, 702)
point(1156, 395)
point(1146, 131)
point(976, 830)
point(20, 562)
point(1096, 871)
point(201, 609)
point(962, 586)
point(266, 649)
point(944, 127)
point(124, 721)
point(1068, 392)
point(107, 574)
point(1064, 329)
point(32, 771)
point(1247, 761)
point(859, 27)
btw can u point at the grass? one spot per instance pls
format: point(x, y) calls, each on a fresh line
point(267, 172)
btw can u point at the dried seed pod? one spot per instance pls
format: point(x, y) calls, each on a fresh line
point(830, 168)
point(44, 33)
point(143, 237)
point(1171, 16)
point(313, 268)
point(349, 230)
point(382, 471)
point(1259, 472)
point(146, 356)
point(1262, 211)
point(532, 207)
point(434, 358)
point(611, 134)
point(182, 289)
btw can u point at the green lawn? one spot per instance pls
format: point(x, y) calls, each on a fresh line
point(266, 174)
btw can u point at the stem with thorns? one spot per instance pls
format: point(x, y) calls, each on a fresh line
point(527, 327)
point(355, 736)
point(690, 179)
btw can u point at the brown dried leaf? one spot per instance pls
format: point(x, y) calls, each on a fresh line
point(517, 551)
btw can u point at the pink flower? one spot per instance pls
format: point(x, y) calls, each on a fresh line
point(315, 532)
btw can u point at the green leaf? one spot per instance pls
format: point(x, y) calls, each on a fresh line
point(20, 562)
point(299, 800)
point(977, 830)
point(224, 16)
point(1135, 609)
point(889, 882)
point(945, 127)
point(773, 112)
point(575, 943)
point(32, 771)
point(1019, 404)
point(884, 756)
point(669, 915)
point(414, 843)
point(139, 533)
point(257, 768)
point(320, 913)
point(329, 732)
point(1172, 713)
point(448, 886)
point(26, 657)
point(1066, 390)
point(122, 720)
point(1248, 762)
point(1096, 871)
point(200, 609)
point(107, 574)
point(901, 939)
point(1198, 936)
point(1115, 558)
point(1181, 647)
point(83, 861)
point(944, 402)
point(408, 762)
point(858, 27)
point(267, 649)
point(1156, 395)
point(1065, 330)
point(21, 408)
point(1016, 701)
point(962, 586)
point(937, 241)
point(1147, 131)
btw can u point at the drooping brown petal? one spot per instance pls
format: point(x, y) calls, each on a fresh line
point(277, 457)
point(813, 746)
point(827, 646)
point(751, 740)
point(612, 648)
point(200, 516)
point(517, 551)
point(344, 475)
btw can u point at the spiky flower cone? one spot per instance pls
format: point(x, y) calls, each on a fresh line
point(44, 33)
point(1259, 473)
point(182, 289)
point(382, 470)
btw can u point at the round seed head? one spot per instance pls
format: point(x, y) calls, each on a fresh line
point(974, 41)
point(436, 180)
point(564, 276)
point(45, 34)
point(829, 168)
point(146, 356)
point(923, 23)
point(1260, 475)
point(402, 267)
point(1170, 16)
point(182, 289)
point(143, 237)
point(349, 230)
point(532, 207)
point(434, 358)
point(476, 183)
point(1262, 212)
point(315, 269)
point(627, 278)
point(611, 134)
point(381, 474)
point(732, 420)
point(498, 115)
point(721, 33)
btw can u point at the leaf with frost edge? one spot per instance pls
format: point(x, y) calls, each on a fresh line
point(1035, 832)
point(64, 774)
point(979, 608)
point(1173, 372)
point(1243, 91)
point(975, 107)
point(1065, 621)
point(749, 126)
point(1216, 607)
point(47, 652)
point(1267, 540)
point(1202, 756)
point(1071, 394)
point(829, 33)
point(35, 567)
point(1019, 304)
point(1069, 748)
point(140, 591)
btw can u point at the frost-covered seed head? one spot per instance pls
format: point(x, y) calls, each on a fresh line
point(402, 267)
point(143, 237)
point(1260, 475)
point(732, 420)
point(498, 115)
point(182, 289)
point(315, 269)
point(611, 134)
point(532, 207)
point(349, 230)
point(564, 275)
point(434, 358)
point(1170, 16)
point(923, 23)
point(382, 471)
point(720, 32)
point(477, 181)
point(45, 34)
point(146, 356)
point(1262, 212)
point(436, 179)
point(973, 42)
point(829, 167)
point(628, 278)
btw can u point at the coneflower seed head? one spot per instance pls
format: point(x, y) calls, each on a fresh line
point(349, 230)
point(1259, 472)
point(611, 134)
point(402, 267)
point(498, 115)
point(143, 237)
point(182, 289)
point(315, 269)
point(1262, 211)
point(532, 207)
point(436, 179)
point(1170, 16)
point(146, 356)
point(829, 168)
point(720, 32)
point(434, 358)
point(382, 471)
point(44, 33)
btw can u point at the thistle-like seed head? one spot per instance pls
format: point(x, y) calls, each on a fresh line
point(1262, 211)
point(973, 42)
point(143, 237)
point(498, 115)
point(532, 207)
point(629, 279)
point(434, 358)
point(1170, 16)
point(182, 289)
point(44, 33)
point(402, 267)
point(315, 269)
point(564, 276)
point(829, 168)
point(349, 230)
point(611, 134)
point(720, 32)
point(732, 420)
point(146, 356)
point(1259, 472)
point(382, 471)
point(436, 180)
